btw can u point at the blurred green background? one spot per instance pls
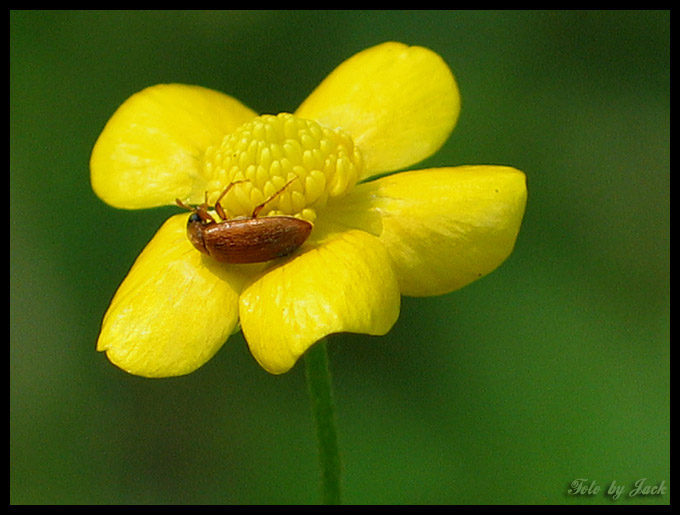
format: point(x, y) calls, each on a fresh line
point(553, 368)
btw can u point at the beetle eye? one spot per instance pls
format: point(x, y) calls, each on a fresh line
point(194, 217)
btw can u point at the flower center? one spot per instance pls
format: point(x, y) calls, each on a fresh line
point(272, 151)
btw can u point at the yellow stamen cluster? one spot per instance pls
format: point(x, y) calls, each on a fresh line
point(270, 151)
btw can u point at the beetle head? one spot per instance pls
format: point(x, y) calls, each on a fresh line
point(198, 213)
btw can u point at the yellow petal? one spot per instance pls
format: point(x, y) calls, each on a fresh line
point(447, 227)
point(174, 309)
point(151, 150)
point(398, 103)
point(343, 285)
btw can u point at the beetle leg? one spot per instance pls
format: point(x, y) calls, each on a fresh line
point(202, 211)
point(218, 206)
point(259, 208)
point(226, 190)
point(220, 211)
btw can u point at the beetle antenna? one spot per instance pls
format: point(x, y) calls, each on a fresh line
point(201, 211)
point(183, 205)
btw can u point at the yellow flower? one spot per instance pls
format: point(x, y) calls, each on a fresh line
point(417, 233)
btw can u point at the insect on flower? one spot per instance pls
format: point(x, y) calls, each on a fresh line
point(244, 240)
point(381, 230)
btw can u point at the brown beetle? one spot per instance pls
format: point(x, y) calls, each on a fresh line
point(244, 240)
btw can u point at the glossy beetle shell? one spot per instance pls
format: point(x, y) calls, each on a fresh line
point(248, 240)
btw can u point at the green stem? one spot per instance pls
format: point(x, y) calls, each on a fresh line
point(321, 397)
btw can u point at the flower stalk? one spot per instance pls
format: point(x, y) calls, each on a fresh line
point(323, 411)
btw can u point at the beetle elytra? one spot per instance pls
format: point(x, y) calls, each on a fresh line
point(244, 240)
